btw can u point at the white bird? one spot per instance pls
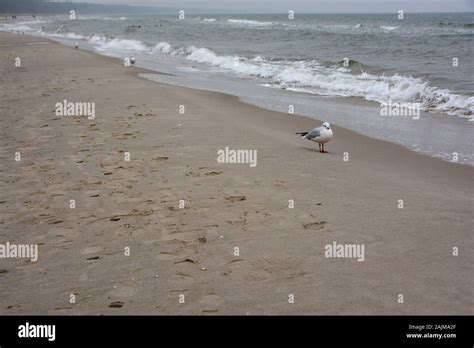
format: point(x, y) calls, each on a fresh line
point(132, 60)
point(76, 45)
point(320, 135)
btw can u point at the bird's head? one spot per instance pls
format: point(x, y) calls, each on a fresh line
point(326, 125)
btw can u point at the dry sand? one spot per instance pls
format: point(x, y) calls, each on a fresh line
point(190, 251)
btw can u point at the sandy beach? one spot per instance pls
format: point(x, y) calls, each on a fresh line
point(158, 234)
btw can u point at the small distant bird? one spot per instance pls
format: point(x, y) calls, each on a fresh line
point(320, 135)
point(132, 60)
point(76, 45)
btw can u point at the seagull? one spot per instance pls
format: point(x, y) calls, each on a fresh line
point(320, 135)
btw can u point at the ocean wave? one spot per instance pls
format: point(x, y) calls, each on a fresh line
point(209, 19)
point(451, 24)
point(162, 47)
point(389, 28)
point(258, 59)
point(34, 21)
point(118, 44)
point(249, 22)
point(350, 65)
point(232, 63)
point(100, 18)
point(18, 27)
point(324, 78)
point(65, 35)
point(334, 81)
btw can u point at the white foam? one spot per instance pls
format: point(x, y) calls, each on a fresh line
point(310, 77)
point(258, 59)
point(389, 28)
point(97, 40)
point(248, 22)
point(236, 64)
point(65, 35)
point(117, 44)
point(17, 27)
point(100, 18)
point(162, 47)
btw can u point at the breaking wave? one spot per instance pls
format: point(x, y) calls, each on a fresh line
point(324, 78)
point(311, 76)
point(249, 22)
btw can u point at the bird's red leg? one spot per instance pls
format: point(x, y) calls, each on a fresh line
point(323, 149)
point(319, 147)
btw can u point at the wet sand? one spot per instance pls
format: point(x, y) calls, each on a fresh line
point(191, 251)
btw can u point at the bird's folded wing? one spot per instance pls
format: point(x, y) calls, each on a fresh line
point(314, 133)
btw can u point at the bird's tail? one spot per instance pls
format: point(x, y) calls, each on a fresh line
point(302, 133)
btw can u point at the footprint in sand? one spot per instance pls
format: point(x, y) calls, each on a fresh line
point(193, 174)
point(93, 258)
point(318, 225)
point(116, 304)
point(203, 171)
point(187, 260)
point(54, 222)
point(212, 173)
point(168, 257)
point(235, 198)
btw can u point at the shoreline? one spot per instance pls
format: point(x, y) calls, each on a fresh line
point(357, 106)
point(436, 134)
point(190, 251)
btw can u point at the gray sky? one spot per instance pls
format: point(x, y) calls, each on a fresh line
point(313, 6)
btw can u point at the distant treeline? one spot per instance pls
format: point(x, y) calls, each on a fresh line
point(44, 6)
